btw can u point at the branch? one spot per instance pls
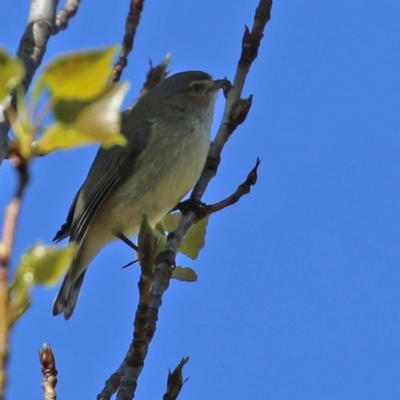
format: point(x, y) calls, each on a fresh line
point(49, 372)
point(155, 75)
point(64, 15)
point(6, 247)
point(250, 45)
point(126, 376)
point(235, 113)
point(242, 189)
point(31, 50)
point(132, 22)
point(175, 381)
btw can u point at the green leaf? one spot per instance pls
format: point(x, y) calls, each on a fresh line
point(41, 265)
point(44, 265)
point(80, 123)
point(184, 274)
point(11, 73)
point(20, 299)
point(171, 221)
point(195, 239)
point(77, 76)
point(159, 228)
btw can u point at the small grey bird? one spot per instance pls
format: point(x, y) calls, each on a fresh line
point(168, 132)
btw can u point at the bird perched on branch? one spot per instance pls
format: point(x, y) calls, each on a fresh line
point(168, 133)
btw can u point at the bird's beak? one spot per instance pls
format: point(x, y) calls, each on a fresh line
point(220, 84)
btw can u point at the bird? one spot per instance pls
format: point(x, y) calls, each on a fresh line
point(168, 134)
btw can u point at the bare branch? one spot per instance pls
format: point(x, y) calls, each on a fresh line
point(31, 50)
point(242, 189)
point(155, 75)
point(175, 381)
point(132, 22)
point(64, 15)
point(233, 110)
point(251, 41)
point(134, 359)
point(6, 247)
point(112, 384)
point(250, 45)
point(49, 372)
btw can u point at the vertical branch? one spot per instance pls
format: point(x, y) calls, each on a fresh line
point(49, 372)
point(31, 50)
point(6, 247)
point(234, 104)
point(132, 22)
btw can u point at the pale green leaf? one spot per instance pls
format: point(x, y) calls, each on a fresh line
point(44, 265)
point(184, 274)
point(79, 76)
point(171, 221)
point(81, 123)
point(195, 239)
point(161, 243)
point(20, 298)
point(11, 73)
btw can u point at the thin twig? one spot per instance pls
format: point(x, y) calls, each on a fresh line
point(64, 15)
point(132, 22)
point(175, 381)
point(6, 247)
point(31, 50)
point(250, 45)
point(242, 189)
point(134, 359)
point(112, 383)
point(155, 75)
point(49, 372)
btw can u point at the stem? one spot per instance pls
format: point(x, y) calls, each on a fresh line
point(6, 248)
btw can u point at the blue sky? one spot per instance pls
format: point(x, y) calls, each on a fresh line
point(298, 292)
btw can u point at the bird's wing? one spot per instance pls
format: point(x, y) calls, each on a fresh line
point(65, 229)
point(109, 169)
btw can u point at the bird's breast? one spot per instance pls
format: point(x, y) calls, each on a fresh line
point(168, 169)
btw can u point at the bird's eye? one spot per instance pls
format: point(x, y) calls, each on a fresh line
point(196, 87)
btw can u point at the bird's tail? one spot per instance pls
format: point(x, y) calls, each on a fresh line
point(67, 297)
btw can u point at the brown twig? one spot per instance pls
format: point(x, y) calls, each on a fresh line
point(64, 15)
point(155, 75)
point(49, 371)
point(133, 363)
point(175, 381)
point(242, 189)
point(132, 22)
point(250, 45)
point(6, 247)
